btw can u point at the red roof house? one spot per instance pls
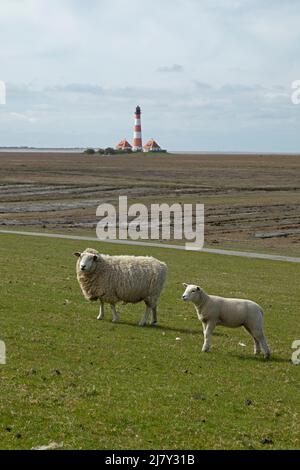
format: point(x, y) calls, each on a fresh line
point(124, 145)
point(151, 146)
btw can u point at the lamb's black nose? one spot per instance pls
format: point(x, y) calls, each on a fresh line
point(82, 268)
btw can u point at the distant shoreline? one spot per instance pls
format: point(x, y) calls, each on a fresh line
point(178, 152)
point(43, 149)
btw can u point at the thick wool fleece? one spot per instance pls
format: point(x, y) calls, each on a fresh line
point(129, 279)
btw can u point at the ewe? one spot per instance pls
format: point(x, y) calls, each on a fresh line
point(113, 279)
point(213, 311)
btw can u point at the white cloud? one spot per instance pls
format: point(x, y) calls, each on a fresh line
point(170, 68)
point(22, 117)
point(76, 70)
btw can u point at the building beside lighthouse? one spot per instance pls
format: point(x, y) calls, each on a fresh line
point(151, 146)
point(124, 145)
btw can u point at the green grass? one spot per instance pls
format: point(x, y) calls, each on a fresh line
point(92, 384)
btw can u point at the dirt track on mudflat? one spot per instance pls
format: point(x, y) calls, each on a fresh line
point(251, 201)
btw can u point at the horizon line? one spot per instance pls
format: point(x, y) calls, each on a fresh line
point(195, 152)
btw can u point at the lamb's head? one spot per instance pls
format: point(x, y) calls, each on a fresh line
point(88, 260)
point(192, 293)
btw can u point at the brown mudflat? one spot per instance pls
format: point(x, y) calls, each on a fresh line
point(251, 201)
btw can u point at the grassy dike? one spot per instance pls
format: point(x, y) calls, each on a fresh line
point(90, 384)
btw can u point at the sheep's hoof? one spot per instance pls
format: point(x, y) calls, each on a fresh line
point(115, 320)
point(205, 350)
point(142, 323)
point(100, 317)
point(154, 323)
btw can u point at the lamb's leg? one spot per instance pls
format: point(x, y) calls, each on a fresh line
point(154, 315)
point(207, 336)
point(204, 328)
point(115, 316)
point(101, 311)
point(262, 340)
point(256, 347)
point(144, 319)
point(256, 342)
point(259, 338)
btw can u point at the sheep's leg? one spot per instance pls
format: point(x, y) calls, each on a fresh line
point(154, 315)
point(101, 311)
point(115, 316)
point(144, 319)
point(207, 336)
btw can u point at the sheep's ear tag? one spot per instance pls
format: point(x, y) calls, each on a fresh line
point(77, 253)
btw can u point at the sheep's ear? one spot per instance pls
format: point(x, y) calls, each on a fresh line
point(198, 288)
point(95, 257)
point(77, 253)
point(184, 284)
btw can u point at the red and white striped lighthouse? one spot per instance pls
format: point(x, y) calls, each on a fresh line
point(137, 134)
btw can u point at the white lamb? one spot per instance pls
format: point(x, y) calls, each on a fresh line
point(128, 279)
point(213, 311)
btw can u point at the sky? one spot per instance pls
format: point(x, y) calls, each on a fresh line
point(211, 75)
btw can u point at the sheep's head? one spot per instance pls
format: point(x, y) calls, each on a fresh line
point(192, 293)
point(87, 261)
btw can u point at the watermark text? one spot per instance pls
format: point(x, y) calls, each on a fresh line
point(184, 222)
point(295, 96)
point(2, 353)
point(2, 92)
point(296, 354)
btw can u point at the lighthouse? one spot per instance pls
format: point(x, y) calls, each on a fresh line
point(137, 133)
